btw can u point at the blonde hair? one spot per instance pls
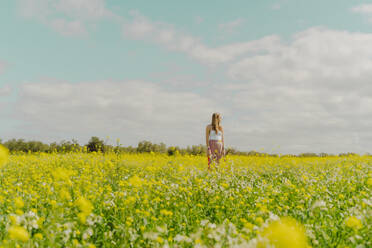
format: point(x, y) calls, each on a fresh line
point(216, 122)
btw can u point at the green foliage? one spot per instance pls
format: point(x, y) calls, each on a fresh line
point(20, 145)
point(95, 145)
point(147, 146)
point(147, 200)
point(65, 146)
point(172, 150)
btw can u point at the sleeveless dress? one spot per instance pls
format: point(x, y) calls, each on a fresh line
point(216, 150)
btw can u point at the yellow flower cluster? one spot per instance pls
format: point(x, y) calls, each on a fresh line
point(285, 233)
point(354, 222)
point(4, 154)
point(156, 200)
point(18, 233)
point(85, 207)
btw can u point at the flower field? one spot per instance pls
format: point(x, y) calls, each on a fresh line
point(155, 200)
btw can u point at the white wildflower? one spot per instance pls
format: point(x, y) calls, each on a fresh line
point(319, 204)
point(204, 222)
point(88, 233)
point(180, 238)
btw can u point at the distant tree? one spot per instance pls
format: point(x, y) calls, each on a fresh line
point(147, 146)
point(15, 145)
point(161, 148)
point(173, 150)
point(129, 149)
point(231, 150)
point(95, 145)
point(197, 150)
point(347, 154)
point(53, 147)
point(144, 146)
point(253, 153)
point(181, 150)
point(308, 154)
point(36, 146)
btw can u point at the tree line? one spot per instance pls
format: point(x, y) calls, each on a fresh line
point(96, 144)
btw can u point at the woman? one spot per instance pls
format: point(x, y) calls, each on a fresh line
point(215, 140)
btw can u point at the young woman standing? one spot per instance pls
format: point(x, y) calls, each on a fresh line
point(215, 140)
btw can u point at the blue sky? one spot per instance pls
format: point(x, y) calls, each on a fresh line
point(288, 76)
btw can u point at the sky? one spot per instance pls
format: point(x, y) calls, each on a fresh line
point(287, 76)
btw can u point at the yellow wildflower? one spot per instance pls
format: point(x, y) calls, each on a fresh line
point(18, 233)
point(135, 181)
point(38, 236)
point(259, 220)
point(248, 225)
point(160, 239)
point(18, 202)
point(84, 205)
point(4, 154)
point(353, 222)
point(13, 219)
point(61, 174)
point(19, 212)
point(53, 203)
point(369, 181)
point(198, 241)
point(166, 212)
point(64, 194)
point(40, 221)
point(285, 233)
point(75, 242)
point(82, 217)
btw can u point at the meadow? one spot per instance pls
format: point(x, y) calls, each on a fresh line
point(155, 200)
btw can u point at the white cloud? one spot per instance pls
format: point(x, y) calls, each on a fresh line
point(3, 66)
point(64, 27)
point(84, 9)
point(231, 26)
point(132, 111)
point(310, 94)
point(198, 19)
point(365, 9)
point(279, 4)
point(314, 54)
point(39, 9)
point(166, 35)
point(276, 6)
point(5, 90)
point(67, 17)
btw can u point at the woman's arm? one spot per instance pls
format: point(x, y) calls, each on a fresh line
point(223, 142)
point(207, 136)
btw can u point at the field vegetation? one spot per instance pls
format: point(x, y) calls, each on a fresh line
point(81, 199)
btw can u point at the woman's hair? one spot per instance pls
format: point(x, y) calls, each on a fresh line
point(216, 122)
